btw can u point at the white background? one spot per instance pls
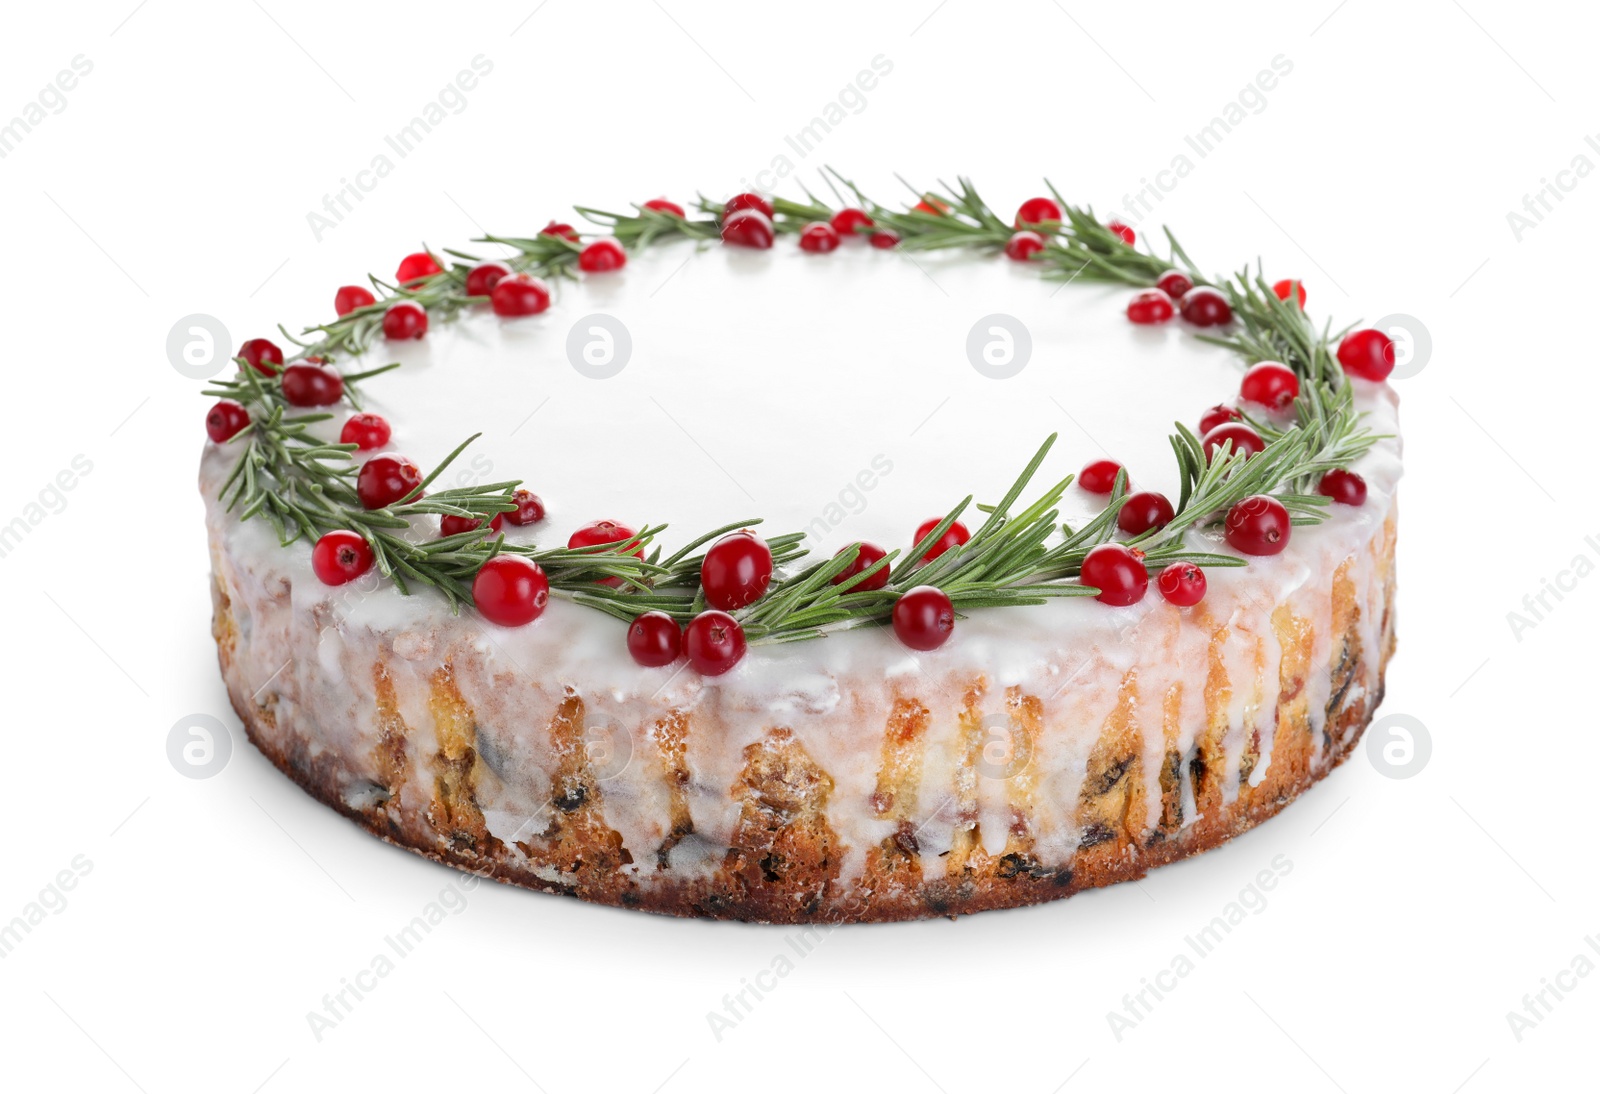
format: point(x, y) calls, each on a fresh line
point(217, 913)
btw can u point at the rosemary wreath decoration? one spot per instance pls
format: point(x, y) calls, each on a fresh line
point(306, 487)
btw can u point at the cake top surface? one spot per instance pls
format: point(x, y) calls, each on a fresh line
point(828, 394)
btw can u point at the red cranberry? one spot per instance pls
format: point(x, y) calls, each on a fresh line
point(351, 297)
point(1285, 289)
point(565, 231)
point(224, 420)
point(1175, 283)
point(365, 430)
point(1100, 476)
point(1270, 384)
point(519, 294)
point(1037, 211)
point(865, 559)
point(1218, 415)
point(924, 618)
point(748, 201)
point(954, 536)
point(884, 239)
point(600, 532)
point(1368, 354)
point(736, 571)
point(662, 205)
point(452, 525)
point(1121, 231)
point(1118, 572)
point(748, 228)
point(485, 276)
point(1150, 306)
point(933, 206)
point(1344, 487)
point(602, 256)
point(1024, 245)
point(405, 319)
point(511, 590)
point(384, 480)
point(261, 355)
point(1143, 512)
point(655, 639)
point(312, 385)
point(848, 222)
point(1183, 584)
point(714, 642)
point(415, 267)
point(340, 557)
point(529, 510)
point(1258, 525)
point(819, 238)
point(1206, 307)
point(1244, 440)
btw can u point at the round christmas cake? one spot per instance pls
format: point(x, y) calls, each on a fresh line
point(816, 560)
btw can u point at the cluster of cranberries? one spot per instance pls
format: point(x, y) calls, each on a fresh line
point(508, 589)
point(1038, 218)
point(736, 572)
point(1176, 294)
point(747, 221)
point(1258, 525)
point(1367, 354)
point(509, 294)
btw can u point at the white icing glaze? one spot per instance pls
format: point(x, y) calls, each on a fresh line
point(763, 385)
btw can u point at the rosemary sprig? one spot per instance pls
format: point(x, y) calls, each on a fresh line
point(645, 226)
point(304, 486)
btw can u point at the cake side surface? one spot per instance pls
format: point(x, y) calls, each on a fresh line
point(944, 793)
